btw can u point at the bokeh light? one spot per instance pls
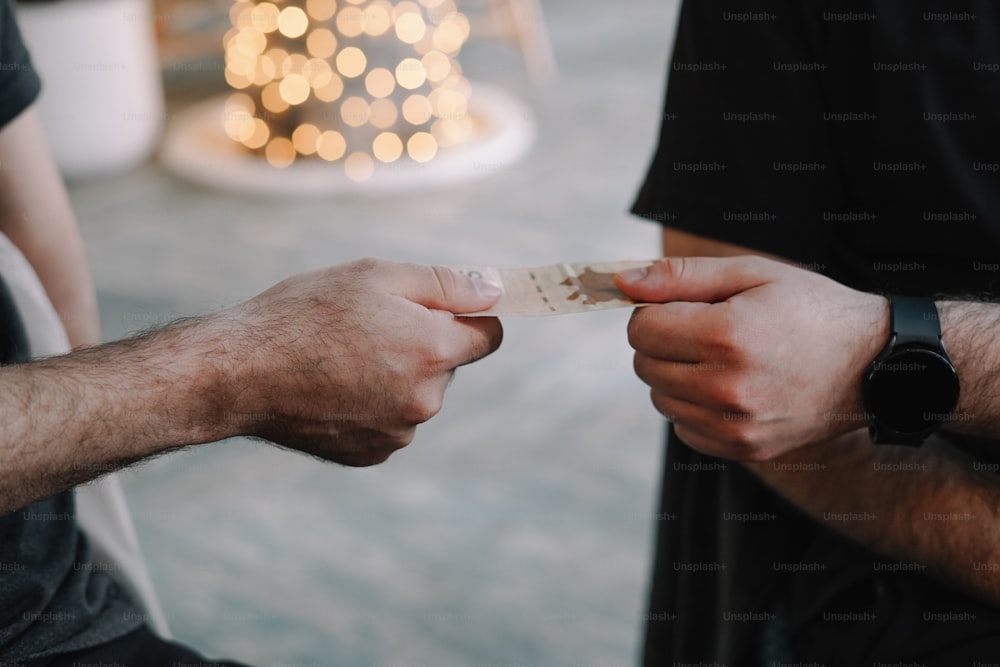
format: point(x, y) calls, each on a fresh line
point(331, 145)
point(410, 73)
point(410, 28)
point(384, 114)
point(359, 167)
point(321, 10)
point(422, 147)
point(417, 110)
point(321, 43)
point(387, 147)
point(360, 82)
point(380, 82)
point(280, 152)
point(305, 139)
point(293, 22)
point(351, 62)
point(294, 89)
point(355, 111)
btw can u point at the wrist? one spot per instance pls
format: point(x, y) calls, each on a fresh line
point(873, 331)
point(187, 398)
point(877, 327)
point(206, 367)
point(805, 466)
point(227, 375)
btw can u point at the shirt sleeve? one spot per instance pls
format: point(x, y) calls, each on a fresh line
point(745, 155)
point(19, 84)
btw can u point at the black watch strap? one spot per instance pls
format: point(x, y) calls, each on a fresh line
point(915, 321)
point(882, 435)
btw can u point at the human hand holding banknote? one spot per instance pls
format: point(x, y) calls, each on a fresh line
point(752, 358)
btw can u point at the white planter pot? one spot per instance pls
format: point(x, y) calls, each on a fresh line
point(102, 94)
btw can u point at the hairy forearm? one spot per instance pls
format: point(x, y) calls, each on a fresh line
point(971, 334)
point(69, 419)
point(929, 507)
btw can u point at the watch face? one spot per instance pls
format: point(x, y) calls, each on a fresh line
point(912, 390)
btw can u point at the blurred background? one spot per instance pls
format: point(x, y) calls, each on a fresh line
point(516, 529)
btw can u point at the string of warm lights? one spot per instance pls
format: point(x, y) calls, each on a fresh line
point(359, 81)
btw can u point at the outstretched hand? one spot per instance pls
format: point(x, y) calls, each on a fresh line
point(345, 362)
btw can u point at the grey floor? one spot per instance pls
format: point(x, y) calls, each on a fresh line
point(516, 529)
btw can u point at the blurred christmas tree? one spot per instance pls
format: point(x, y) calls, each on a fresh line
point(359, 81)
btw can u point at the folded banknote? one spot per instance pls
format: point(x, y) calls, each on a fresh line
point(559, 289)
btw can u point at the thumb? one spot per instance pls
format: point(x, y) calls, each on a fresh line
point(441, 288)
point(696, 279)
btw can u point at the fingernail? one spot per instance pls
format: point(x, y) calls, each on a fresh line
point(633, 275)
point(486, 288)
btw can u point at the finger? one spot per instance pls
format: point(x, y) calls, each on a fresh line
point(486, 335)
point(463, 340)
point(689, 382)
point(378, 449)
point(704, 444)
point(703, 279)
point(673, 331)
point(692, 423)
point(677, 410)
point(441, 288)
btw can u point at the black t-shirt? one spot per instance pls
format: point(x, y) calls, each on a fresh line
point(856, 136)
point(19, 84)
point(51, 598)
point(861, 140)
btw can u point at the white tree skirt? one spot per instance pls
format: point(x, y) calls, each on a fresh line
point(196, 148)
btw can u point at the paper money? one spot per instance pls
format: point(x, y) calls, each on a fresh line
point(559, 289)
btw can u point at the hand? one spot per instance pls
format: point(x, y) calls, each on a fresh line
point(751, 358)
point(345, 362)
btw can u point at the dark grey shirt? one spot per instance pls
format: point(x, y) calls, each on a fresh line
point(51, 598)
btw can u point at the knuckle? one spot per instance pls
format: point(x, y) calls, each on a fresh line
point(446, 281)
point(436, 355)
point(635, 329)
point(738, 399)
point(738, 439)
point(731, 398)
point(401, 438)
point(422, 408)
point(367, 265)
point(745, 438)
point(643, 327)
point(674, 268)
point(733, 407)
point(661, 403)
point(756, 264)
point(641, 365)
point(756, 454)
point(723, 333)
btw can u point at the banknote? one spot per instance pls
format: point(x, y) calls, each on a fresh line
point(559, 289)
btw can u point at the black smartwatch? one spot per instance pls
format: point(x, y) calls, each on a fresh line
point(912, 386)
